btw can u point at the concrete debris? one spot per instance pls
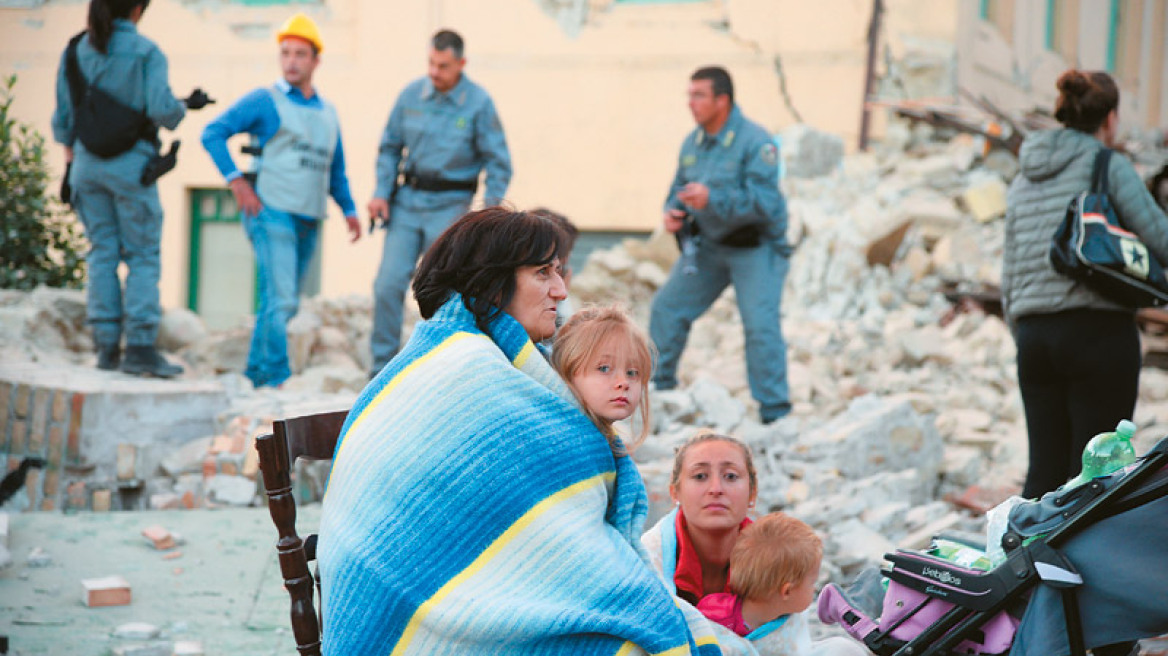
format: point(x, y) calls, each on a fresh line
point(809, 153)
point(231, 490)
point(136, 631)
point(188, 648)
point(180, 328)
point(38, 557)
point(900, 401)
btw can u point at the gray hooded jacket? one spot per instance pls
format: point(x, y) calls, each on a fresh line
point(1055, 167)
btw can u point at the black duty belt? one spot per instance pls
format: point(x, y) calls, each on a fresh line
point(427, 183)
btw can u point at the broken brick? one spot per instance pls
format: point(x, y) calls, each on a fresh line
point(106, 591)
point(159, 537)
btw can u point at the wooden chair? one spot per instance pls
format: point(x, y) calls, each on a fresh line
point(313, 437)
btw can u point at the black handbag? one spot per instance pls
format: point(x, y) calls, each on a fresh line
point(1092, 247)
point(103, 123)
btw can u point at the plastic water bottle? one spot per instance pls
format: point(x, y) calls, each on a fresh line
point(1106, 454)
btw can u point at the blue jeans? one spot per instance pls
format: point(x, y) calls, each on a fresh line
point(123, 221)
point(757, 275)
point(411, 232)
point(284, 244)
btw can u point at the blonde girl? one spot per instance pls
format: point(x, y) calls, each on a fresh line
point(606, 361)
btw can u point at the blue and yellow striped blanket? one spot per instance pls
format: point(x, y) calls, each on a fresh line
point(473, 509)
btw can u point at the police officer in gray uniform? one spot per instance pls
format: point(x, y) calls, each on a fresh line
point(443, 131)
point(122, 215)
point(725, 200)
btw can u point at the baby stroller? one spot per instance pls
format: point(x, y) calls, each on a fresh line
point(1085, 567)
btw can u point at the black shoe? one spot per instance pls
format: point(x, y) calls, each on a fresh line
point(147, 360)
point(109, 356)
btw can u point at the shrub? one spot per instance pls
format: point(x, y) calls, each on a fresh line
point(40, 244)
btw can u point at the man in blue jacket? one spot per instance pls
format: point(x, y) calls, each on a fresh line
point(726, 196)
point(442, 133)
point(301, 165)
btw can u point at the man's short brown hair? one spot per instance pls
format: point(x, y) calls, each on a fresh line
point(773, 551)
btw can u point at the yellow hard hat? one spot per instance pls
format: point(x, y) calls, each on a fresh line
point(301, 27)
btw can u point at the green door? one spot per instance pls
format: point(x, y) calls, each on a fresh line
point(223, 288)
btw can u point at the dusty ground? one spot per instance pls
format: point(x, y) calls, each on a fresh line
point(224, 590)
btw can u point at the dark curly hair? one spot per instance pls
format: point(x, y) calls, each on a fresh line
point(1085, 99)
point(477, 257)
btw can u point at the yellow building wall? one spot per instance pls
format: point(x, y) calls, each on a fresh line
point(593, 119)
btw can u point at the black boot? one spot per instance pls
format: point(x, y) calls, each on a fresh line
point(109, 356)
point(147, 360)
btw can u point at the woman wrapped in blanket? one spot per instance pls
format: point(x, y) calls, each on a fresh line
point(714, 485)
point(472, 507)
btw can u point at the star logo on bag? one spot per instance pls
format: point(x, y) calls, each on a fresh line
point(1135, 258)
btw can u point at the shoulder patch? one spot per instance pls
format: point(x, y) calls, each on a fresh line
point(769, 153)
point(689, 159)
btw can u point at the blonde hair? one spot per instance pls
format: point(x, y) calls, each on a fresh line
point(577, 342)
point(773, 551)
point(710, 436)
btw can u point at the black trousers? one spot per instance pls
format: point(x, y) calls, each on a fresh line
point(1079, 374)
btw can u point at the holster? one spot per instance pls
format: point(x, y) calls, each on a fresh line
point(160, 164)
point(748, 236)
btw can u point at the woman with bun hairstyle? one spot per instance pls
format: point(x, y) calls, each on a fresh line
point(1078, 352)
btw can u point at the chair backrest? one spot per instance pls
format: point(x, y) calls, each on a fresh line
point(313, 437)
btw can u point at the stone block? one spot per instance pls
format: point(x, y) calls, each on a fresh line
point(32, 486)
point(188, 648)
point(23, 400)
point(883, 250)
point(73, 442)
point(180, 328)
point(76, 496)
point(920, 538)
point(165, 501)
point(106, 591)
point(56, 452)
point(19, 437)
point(5, 402)
point(985, 199)
point(875, 435)
point(102, 500)
point(52, 478)
point(188, 458)
point(127, 462)
point(60, 406)
point(231, 490)
point(136, 631)
point(809, 153)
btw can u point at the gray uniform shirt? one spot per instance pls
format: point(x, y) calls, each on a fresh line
point(740, 166)
point(452, 136)
point(1055, 167)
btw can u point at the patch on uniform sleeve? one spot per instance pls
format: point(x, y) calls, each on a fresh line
point(769, 153)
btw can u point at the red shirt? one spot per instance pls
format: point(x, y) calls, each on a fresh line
point(688, 575)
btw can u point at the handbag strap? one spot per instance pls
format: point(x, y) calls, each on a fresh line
point(77, 85)
point(1099, 171)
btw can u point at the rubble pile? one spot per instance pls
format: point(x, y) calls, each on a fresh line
point(905, 397)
